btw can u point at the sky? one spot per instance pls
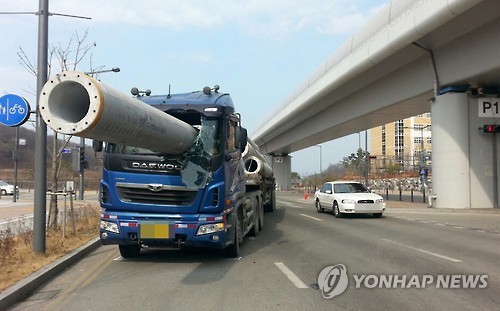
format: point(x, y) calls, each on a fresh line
point(259, 51)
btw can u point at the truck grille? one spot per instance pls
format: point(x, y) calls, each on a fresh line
point(138, 193)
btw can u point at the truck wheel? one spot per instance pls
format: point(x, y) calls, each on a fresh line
point(271, 206)
point(261, 216)
point(233, 250)
point(256, 217)
point(129, 251)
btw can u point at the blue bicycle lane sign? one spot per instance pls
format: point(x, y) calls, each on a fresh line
point(14, 110)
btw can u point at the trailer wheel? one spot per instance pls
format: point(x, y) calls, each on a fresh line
point(233, 250)
point(261, 215)
point(271, 206)
point(129, 251)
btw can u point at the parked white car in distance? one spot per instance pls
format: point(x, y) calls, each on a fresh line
point(6, 188)
point(348, 197)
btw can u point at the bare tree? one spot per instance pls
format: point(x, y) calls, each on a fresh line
point(68, 57)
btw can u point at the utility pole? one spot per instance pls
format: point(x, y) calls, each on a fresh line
point(14, 155)
point(40, 201)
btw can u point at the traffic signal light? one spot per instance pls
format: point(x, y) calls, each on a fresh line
point(84, 163)
point(491, 128)
point(82, 155)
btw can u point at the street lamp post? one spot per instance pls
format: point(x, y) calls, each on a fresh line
point(320, 160)
point(41, 134)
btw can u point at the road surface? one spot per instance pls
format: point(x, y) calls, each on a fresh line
point(278, 270)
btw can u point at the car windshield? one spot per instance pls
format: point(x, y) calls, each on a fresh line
point(350, 188)
point(3, 183)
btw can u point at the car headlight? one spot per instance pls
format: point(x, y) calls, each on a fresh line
point(210, 228)
point(379, 201)
point(348, 201)
point(110, 226)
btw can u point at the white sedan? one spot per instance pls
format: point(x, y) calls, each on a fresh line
point(348, 197)
point(6, 188)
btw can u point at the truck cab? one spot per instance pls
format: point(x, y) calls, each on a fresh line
point(150, 198)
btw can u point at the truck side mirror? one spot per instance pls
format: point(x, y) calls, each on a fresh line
point(97, 145)
point(241, 138)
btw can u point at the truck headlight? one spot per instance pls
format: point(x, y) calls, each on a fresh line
point(210, 228)
point(110, 226)
point(379, 201)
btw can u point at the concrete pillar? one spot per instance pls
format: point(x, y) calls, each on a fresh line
point(462, 155)
point(450, 151)
point(282, 167)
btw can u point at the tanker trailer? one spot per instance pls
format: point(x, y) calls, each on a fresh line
point(259, 175)
point(173, 174)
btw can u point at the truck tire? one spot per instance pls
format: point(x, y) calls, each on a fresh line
point(129, 251)
point(233, 250)
point(271, 206)
point(256, 217)
point(261, 215)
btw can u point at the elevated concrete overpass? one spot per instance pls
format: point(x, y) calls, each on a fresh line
point(415, 56)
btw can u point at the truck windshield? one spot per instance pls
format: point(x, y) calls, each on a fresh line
point(196, 162)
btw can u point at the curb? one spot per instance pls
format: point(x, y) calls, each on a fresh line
point(28, 285)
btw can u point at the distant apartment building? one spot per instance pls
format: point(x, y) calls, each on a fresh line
point(407, 143)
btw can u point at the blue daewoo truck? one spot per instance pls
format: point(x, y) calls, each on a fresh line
point(178, 169)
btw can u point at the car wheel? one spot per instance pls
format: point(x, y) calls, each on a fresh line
point(319, 209)
point(336, 211)
point(377, 215)
point(4, 192)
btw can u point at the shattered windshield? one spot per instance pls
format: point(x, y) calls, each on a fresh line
point(196, 162)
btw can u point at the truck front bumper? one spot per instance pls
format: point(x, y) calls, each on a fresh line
point(206, 231)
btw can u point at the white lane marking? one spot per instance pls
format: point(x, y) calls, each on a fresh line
point(424, 251)
point(291, 205)
point(290, 275)
point(311, 217)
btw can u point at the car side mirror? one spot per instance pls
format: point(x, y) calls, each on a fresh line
point(328, 191)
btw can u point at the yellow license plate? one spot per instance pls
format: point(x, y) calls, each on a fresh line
point(154, 231)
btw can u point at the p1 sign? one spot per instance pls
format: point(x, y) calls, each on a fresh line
point(488, 107)
point(14, 110)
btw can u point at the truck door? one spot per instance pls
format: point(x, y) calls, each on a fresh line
point(236, 174)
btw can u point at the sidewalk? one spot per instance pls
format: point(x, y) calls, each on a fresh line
point(11, 213)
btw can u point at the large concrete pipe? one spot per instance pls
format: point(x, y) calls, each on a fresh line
point(255, 162)
point(76, 104)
